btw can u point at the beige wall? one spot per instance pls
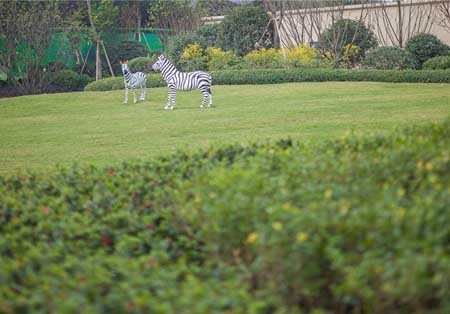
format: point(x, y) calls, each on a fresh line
point(304, 26)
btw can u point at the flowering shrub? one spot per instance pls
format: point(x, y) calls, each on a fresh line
point(192, 58)
point(351, 55)
point(302, 56)
point(264, 58)
point(218, 59)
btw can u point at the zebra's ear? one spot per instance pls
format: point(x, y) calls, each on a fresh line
point(120, 61)
point(126, 62)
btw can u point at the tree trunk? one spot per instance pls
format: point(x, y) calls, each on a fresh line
point(138, 22)
point(400, 24)
point(98, 63)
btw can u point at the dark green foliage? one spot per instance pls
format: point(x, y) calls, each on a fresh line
point(205, 36)
point(141, 64)
point(426, 46)
point(69, 80)
point(345, 32)
point(357, 225)
point(125, 50)
point(177, 43)
point(275, 76)
point(114, 83)
point(390, 58)
point(209, 36)
point(243, 27)
point(437, 63)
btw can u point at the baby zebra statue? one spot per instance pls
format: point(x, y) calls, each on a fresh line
point(183, 81)
point(133, 80)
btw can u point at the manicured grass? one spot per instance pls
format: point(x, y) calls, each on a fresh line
point(38, 132)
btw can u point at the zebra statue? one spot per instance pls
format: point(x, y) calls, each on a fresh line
point(133, 80)
point(177, 80)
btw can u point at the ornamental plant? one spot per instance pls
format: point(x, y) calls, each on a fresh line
point(426, 46)
point(217, 59)
point(264, 58)
point(192, 58)
point(302, 56)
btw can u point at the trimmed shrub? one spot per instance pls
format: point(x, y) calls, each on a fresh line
point(390, 58)
point(114, 83)
point(355, 225)
point(69, 80)
point(141, 64)
point(437, 63)
point(275, 76)
point(426, 46)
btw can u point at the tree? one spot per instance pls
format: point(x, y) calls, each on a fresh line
point(347, 33)
point(101, 17)
point(408, 21)
point(244, 27)
point(176, 15)
point(26, 29)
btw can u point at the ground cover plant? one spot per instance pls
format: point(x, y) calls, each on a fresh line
point(353, 225)
point(95, 127)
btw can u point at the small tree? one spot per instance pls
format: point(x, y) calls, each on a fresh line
point(26, 29)
point(345, 33)
point(244, 27)
point(101, 16)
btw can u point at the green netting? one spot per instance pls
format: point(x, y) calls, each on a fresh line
point(61, 50)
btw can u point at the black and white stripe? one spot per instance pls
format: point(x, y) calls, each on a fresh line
point(177, 80)
point(133, 80)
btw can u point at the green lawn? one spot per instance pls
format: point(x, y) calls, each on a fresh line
point(38, 132)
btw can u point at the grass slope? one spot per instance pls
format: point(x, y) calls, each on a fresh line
point(95, 127)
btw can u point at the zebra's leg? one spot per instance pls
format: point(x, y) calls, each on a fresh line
point(205, 94)
point(172, 98)
point(133, 89)
point(168, 101)
point(209, 97)
point(143, 90)
point(126, 95)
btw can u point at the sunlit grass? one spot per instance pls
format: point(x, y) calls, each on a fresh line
point(38, 132)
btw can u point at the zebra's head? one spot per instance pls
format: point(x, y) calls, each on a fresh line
point(159, 63)
point(124, 65)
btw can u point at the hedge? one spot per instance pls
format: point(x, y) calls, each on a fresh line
point(356, 225)
point(274, 76)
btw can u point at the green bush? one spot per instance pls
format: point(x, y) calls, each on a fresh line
point(141, 64)
point(124, 50)
point(69, 80)
point(390, 58)
point(356, 225)
point(275, 76)
point(345, 32)
point(437, 63)
point(426, 46)
point(243, 27)
point(114, 83)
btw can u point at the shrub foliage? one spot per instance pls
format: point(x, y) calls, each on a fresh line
point(275, 76)
point(357, 225)
point(437, 63)
point(426, 46)
point(390, 58)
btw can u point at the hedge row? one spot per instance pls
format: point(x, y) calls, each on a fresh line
point(273, 76)
point(357, 225)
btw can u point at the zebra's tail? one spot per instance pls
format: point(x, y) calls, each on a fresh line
point(209, 91)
